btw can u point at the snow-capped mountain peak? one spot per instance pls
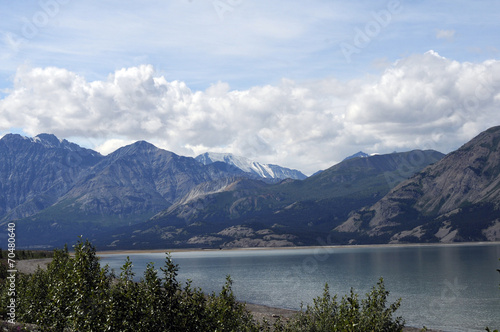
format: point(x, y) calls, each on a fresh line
point(266, 171)
point(359, 154)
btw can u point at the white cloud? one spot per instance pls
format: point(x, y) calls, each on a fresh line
point(112, 145)
point(445, 34)
point(427, 98)
point(422, 101)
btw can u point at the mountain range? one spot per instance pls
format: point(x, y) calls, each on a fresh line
point(247, 213)
point(271, 172)
point(142, 197)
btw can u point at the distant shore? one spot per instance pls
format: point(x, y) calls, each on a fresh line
point(395, 245)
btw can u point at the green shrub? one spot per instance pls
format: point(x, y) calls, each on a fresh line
point(351, 314)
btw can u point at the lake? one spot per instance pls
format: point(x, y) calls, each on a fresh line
point(448, 287)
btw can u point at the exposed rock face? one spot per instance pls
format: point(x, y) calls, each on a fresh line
point(244, 237)
point(36, 172)
point(464, 184)
point(139, 179)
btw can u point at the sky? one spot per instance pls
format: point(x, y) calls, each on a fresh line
point(301, 84)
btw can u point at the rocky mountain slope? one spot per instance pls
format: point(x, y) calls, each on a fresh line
point(245, 212)
point(263, 171)
point(456, 199)
point(139, 180)
point(35, 172)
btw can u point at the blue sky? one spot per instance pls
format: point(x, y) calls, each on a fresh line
point(297, 83)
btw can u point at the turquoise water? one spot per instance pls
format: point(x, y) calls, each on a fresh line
point(450, 287)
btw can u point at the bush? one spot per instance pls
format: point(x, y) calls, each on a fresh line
point(351, 314)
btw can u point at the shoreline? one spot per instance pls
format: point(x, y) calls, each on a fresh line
point(350, 246)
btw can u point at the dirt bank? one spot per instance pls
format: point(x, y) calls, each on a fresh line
point(29, 266)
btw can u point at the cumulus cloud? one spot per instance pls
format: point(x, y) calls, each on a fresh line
point(433, 99)
point(421, 101)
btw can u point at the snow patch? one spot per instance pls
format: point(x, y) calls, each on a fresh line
point(267, 171)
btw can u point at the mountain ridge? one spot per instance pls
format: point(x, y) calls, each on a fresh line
point(464, 182)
